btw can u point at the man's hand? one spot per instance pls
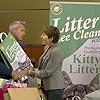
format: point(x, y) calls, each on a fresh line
point(15, 75)
point(27, 72)
point(23, 73)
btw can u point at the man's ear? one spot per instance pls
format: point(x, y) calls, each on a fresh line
point(13, 31)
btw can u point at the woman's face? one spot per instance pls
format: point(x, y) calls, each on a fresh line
point(45, 39)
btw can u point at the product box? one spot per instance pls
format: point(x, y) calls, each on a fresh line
point(22, 94)
point(13, 54)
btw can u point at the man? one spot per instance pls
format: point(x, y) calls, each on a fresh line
point(17, 29)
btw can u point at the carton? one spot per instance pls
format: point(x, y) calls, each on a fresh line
point(22, 94)
point(12, 53)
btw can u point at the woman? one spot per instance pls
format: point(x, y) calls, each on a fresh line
point(50, 64)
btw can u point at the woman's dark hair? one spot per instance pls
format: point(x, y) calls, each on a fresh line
point(52, 31)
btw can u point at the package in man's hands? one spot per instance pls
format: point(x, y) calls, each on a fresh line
point(13, 53)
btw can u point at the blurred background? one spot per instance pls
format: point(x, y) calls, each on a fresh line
point(36, 15)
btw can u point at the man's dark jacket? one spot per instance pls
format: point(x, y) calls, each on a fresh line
point(4, 71)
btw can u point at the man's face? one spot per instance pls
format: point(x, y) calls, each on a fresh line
point(19, 33)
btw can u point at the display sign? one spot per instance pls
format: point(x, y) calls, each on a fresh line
point(79, 25)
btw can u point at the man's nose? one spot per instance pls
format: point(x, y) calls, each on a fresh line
point(24, 33)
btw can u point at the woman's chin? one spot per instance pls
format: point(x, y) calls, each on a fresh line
point(43, 43)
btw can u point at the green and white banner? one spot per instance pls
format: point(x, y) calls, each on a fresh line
point(13, 53)
point(79, 25)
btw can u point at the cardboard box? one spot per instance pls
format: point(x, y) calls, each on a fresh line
point(22, 94)
point(6, 96)
point(12, 53)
